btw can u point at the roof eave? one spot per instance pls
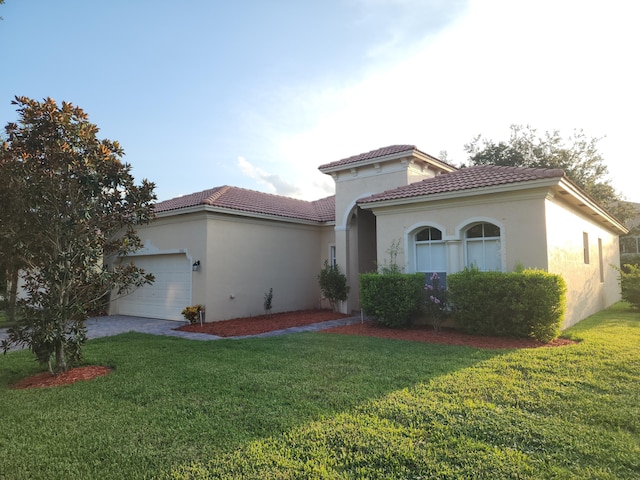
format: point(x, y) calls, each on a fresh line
point(584, 201)
point(457, 194)
point(389, 158)
point(242, 213)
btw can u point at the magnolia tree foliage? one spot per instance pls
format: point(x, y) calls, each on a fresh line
point(577, 155)
point(74, 207)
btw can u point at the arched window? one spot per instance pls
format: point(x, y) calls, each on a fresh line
point(483, 247)
point(430, 251)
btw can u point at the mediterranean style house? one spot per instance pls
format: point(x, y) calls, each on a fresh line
point(226, 247)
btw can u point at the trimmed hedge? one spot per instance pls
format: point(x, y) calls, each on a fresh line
point(525, 304)
point(630, 282)
point(391, 299)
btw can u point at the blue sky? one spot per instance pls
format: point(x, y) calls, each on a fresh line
point(257, 93)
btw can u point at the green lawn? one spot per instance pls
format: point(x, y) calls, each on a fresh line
point(330, 406)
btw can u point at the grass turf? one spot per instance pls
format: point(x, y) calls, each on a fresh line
point(330, 406)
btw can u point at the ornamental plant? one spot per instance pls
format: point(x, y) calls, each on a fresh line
point(192, 313)
point(268, 302)
point(391, 299)
point(436, 302)
point(69, 209)
point(333, 285)
point(630, 283)
point(525, 304)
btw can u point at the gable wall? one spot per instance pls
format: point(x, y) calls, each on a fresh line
point(586, 294)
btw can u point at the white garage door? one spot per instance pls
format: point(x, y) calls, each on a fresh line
point(169, 293)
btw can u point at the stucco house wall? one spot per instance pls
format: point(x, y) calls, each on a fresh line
point(246, 242)
point(591, 280)
point(241, 254)
point(246, 257)
point(520, 240)
point(185, 237)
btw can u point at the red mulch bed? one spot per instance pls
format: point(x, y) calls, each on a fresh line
point(446, 336)
point(278, 321)
point(262, 323)
point(78, 374)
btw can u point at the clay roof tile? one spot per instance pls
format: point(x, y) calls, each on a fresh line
point(465, 179)
point(251, 201)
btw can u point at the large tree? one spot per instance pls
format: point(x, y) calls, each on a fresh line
point(577, 155)
point(74, 208)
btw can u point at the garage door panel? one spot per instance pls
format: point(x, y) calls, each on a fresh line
point(169, 293)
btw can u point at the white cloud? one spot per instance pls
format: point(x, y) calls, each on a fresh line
point(553, 65)
point(298, 187)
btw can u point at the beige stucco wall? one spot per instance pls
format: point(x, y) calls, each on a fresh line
point(520, 218)
point(242, 258)
point(355, 246)
point(537, 231)
point(370, 179)
point(184, 233)
point(246, 257)
point(586, 293)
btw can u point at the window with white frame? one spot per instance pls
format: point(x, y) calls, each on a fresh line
point(430, 251)
point(482, 242)
point(332, 255)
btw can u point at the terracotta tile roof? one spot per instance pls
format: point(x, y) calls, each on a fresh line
point(251, 201)
point(380, 152)
point(326, 208)
point(466, 179)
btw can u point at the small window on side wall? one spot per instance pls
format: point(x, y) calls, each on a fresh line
point(601, 260)
point(332, 255)
point(585, 247)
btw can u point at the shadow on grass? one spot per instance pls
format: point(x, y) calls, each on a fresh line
point(173, 401)
point(301, 403)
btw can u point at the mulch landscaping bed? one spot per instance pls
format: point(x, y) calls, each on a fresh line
point(262, 323)
point(65, 378)
point(446, 336)
point(279, 321)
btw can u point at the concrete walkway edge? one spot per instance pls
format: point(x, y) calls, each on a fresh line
point(107, 326)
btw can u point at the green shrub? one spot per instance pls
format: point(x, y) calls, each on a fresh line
point(192, 313)
point(436, 302)
point(630, 259)
point(630, 283)
point(525, 304)
point(333, 284)
point(268, 302)
point(391, 299)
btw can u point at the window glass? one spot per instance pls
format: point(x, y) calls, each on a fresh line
point(429, 234)
point(491, 230)
point(483, 248)
point(431, 257)
point(430, 251)
point(475, 231)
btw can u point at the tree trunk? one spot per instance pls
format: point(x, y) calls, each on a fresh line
point(61, 363)
point(13, 292)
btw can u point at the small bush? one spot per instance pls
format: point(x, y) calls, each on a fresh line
point(630, 259)
point(630, 283)
point(391, 299)
point(192, 313)
point(268, 301)
point(333, 285)
point(525, 304)
point(436, 302)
